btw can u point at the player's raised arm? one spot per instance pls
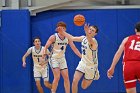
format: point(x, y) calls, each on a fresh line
point(69, 36)
point(116, 58)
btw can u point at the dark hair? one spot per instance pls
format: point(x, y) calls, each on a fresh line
point(37, 37)
point(97, 30)
point(137, 27)
point(61, 23)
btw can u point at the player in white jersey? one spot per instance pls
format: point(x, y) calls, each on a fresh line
point(88, 66)
point(41, 68)
point(57, 60)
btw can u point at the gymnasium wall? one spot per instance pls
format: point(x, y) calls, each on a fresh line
point(113, 25)
point(18, 29)
point(15, 39)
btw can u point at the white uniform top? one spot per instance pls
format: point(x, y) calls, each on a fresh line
point(59, 47)
point(37, 55)
point(89, 56)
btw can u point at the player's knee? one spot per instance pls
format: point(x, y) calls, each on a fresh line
point(75, 81)
point(56, 78)
point(66, 77)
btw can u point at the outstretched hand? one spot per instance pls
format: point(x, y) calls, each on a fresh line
point(24, 64)
point(110, 73)
point(86, 27)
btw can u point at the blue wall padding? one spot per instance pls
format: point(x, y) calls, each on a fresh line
point(15, 32)
point(0, 57)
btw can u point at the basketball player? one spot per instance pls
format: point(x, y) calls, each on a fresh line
point(57, 60)
point(88, 66)
point(131, 60)
point(41, 68)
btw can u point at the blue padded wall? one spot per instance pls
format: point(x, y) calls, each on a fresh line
point(107, 39)
point(15, 33)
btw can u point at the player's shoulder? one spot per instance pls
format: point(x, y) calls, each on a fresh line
point(132, 36)
point(32, 47)
point(83, 37)
point(126, 38)
point(52, 37)
point(129, 37)
point(94, 39)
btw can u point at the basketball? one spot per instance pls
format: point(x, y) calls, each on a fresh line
point(79, 20)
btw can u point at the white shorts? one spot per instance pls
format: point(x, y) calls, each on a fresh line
point(58, 63)
point(90, 72)
point(41, 72)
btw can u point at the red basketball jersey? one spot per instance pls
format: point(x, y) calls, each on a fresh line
point(132, 49)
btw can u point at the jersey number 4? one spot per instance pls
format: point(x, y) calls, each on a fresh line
point(62, 48)
point(134, 46)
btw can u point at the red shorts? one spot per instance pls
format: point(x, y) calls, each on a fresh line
point(131, 73)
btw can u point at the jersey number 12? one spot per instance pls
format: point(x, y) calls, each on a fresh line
point(134, 46)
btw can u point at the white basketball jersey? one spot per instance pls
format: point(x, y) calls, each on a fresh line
point(59, 47)
point(37, 55)
point(89, 56)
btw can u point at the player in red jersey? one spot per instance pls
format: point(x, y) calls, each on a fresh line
point(131, 60)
